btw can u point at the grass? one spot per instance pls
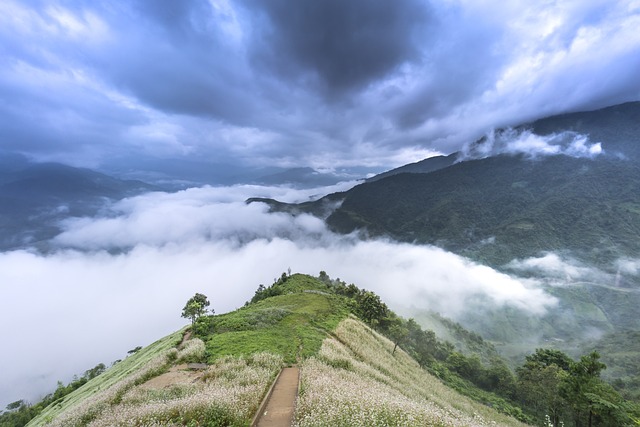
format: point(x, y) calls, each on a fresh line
point(114, 375)
point(350, 374)
point(227, 393)
point(357, 380)
point(292, 325)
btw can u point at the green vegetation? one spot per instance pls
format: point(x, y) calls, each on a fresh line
point(310, 321)
point(500, 209)
point(290, 318)
point(118, 373)
point(567, 204)
point(20, 413)
point(196, 307)
point(358, 379)
point(621, 352)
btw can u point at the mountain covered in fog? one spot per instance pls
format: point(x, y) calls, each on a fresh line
point(565, 183)
point(556, 201)
point(34, 197)
point(506, 207)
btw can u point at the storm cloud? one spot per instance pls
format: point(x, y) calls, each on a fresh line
point(311, 83)
point(344, 45)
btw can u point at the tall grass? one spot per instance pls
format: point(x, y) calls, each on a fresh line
point(356, 381)
point(227, 393)
point(117, 374)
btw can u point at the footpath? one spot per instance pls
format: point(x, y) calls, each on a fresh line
point(280, 403)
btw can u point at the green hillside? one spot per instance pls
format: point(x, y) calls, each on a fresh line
point(504, 208)
point(360, 364)
point(501, 208)
point(617, 127)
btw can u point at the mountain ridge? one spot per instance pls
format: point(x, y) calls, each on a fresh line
point(34, 197)
point(513, 212)
point(320, 335)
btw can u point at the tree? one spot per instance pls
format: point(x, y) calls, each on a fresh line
point(593, 402)
point(540, 388)
point(371, 308)
point(397, 331)
point(196, 307)
point(548, 357)
point(499, 378)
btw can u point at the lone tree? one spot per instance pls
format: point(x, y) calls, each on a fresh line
point(196, 307)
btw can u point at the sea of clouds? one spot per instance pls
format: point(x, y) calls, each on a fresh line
point(120, 279)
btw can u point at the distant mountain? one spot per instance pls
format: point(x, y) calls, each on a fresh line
point(505, 207)
point(304, 177)
point(177, 174)
point(617, 127)
point(35, 196)
point(509, 206)
point(423, 166)
point(513, 207)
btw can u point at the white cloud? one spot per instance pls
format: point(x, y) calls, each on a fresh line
point(628, 266)
point(512, 141)
point(86, 307)
point(551, 265)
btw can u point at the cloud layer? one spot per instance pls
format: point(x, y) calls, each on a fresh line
point(512, 141)
point(324, 84)
point(120, 280)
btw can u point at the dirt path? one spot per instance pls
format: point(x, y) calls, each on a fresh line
point(282, 403)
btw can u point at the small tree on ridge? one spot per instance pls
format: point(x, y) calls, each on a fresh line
point(195, 307)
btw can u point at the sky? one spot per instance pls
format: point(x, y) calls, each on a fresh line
point(251, 83)
point(327, 84)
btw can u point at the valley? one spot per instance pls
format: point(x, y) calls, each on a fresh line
point(571, 223)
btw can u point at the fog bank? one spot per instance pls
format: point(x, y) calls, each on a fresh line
point(121, 280)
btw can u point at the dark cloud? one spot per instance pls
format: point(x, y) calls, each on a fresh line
point(345, 44)
point(305, 83)
point(175, 57)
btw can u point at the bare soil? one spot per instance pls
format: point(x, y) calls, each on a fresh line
point(177, 375)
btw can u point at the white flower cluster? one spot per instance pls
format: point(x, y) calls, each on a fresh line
point(193, 350)
point(93, 406)
point(230, 391)
point(357, 381)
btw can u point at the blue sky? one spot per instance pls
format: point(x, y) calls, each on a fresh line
point(327, 84)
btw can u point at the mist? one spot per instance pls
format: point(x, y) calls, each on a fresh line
point(525, 142)
point(120, 280)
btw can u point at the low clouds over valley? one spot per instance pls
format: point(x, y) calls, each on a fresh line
point(115, 279)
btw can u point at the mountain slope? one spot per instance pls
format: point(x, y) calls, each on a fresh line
point(582, 215)
point(358, 380)
point(35, 197)
point(617, 127)
point(423, 166)
point(501, 208)
point(299, 319)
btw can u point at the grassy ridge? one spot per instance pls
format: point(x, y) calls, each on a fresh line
point(286, 323)
point(292, 324)
point(358, 379)
point(117, 373)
